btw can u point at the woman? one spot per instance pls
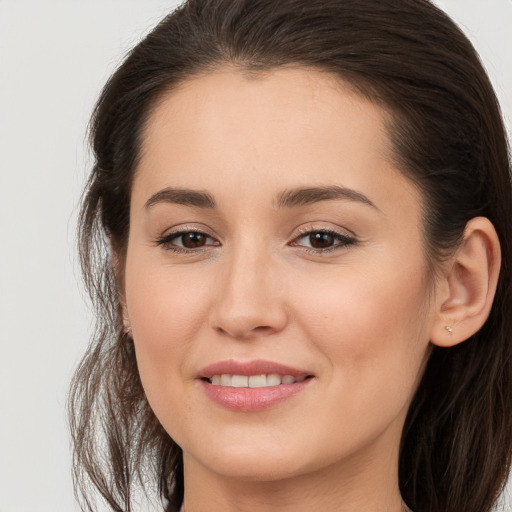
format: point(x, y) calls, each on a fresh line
point(297, 236)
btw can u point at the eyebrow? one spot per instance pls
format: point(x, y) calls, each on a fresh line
point(286, 199)
point(311, 195)
point(184, 197)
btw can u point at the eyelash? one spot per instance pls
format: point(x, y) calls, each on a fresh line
point(166, 241)
point(342, 241)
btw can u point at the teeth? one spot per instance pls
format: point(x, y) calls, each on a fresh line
point(257, 381)
point(254, 381)
point(240, 381)
point(225, 380)
point(273, 379)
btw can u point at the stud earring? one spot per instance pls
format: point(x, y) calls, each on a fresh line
point(449, 329)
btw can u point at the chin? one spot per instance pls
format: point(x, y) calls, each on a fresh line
point(256, 468)
point(259, 461)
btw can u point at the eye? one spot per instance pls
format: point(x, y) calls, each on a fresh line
point(191, 240)
point(323, 240)
point(186, 241)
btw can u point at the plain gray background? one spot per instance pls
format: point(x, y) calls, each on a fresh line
point(54, 58)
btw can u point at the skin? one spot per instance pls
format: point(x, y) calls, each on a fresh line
point(358, 317)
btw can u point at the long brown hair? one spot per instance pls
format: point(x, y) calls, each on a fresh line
point(448, 137)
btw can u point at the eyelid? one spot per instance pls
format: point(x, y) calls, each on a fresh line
point(165, 240)
point(345, 238)
point(312, 227)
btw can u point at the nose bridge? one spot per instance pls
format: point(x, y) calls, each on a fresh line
point(248, 299)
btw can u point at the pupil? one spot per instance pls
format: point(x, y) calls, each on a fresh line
point(193, 240)
point(321, 240)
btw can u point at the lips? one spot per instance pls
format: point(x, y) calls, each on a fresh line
point(252, 386)
point(248, 368)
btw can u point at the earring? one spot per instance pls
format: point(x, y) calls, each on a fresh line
point(449, 329)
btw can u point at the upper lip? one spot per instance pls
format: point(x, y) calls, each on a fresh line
point(254, 367)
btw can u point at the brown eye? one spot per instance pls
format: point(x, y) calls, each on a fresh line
point(321, 240)
point(193, 240)
point(183, 241)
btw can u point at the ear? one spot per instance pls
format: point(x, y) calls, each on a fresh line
point(465, 294)
point(117, 263)
point(127, 327)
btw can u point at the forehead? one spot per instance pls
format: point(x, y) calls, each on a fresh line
point(234, 133)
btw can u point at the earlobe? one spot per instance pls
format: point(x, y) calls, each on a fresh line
point(127, 328)
point(117, 264)
point(469, 285)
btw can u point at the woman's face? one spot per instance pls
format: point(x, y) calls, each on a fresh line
point(272, 235)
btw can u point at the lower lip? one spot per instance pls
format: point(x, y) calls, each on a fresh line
point(252, 399)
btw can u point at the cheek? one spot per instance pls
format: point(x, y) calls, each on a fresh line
point(373, 336)
point(368, 324)
point(164, 305)
point(166, 310)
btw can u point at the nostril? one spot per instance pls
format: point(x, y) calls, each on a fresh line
point(244, 330)
point(263, 328)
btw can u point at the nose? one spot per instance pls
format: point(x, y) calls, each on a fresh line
point(250, 300)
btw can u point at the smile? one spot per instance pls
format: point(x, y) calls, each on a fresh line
point(254, 381)
point(256, 385)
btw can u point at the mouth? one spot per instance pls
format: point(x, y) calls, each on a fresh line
point(253, 385)
point(252, 374)
point(254, 381)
